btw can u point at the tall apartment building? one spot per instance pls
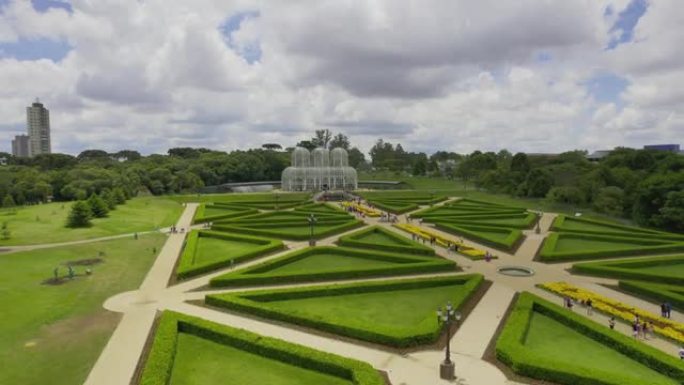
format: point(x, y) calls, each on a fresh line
point(38, 125)
point(20, 146)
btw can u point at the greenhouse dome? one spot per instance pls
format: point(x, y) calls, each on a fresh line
point(319, 170)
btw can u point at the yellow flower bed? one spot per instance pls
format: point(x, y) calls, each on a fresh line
point(369, 211)
point(662, 326)
point(442, 241)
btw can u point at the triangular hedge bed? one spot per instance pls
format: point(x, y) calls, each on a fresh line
point(379, 238)
point(355, 263)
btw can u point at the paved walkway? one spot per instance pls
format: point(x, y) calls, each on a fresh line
point(119, 359)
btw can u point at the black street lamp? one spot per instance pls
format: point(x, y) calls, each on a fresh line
point(447, 316)
point(312, 222)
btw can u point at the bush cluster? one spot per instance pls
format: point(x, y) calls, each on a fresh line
point(157, 369)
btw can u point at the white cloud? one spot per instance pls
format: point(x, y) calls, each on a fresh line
point(452, 75)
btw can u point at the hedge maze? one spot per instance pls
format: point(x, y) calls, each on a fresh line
point(206, 251)
point(544, 341)
point(187, 350)
point(580, 238)
point(394, 313)
point(491, 224)
point(378, 238)
point(399, 202)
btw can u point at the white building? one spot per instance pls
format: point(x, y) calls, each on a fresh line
point(38, 126)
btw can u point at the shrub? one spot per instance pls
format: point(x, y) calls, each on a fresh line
point(630, 269)
point(8, 201)
point(271, 230)
point(159, 364)
point(80, 215)
point(512, 240)
point(98, 206)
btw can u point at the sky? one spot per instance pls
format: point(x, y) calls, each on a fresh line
point(527, 75)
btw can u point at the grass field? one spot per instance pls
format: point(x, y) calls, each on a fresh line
point(378, 238)
point(550, 338)
point(214, 249)
point(53, 334)
point(576, 243)
point(45, 223)
point(199, 361)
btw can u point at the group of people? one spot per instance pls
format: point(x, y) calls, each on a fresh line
point(665, 310)
point(642, 329)
point(174, 230)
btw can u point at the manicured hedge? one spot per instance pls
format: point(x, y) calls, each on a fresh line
point(656, 292)
point(639, 246)
point(158, 367)
point(409, 246)
point(271, 230)
point(559, 224)
point(188, 268)
point(262, 273)
point(511, 351)
point(257, 303)
point(241, 211)
point(629, 269)
point(510, 243)
point(323, 208)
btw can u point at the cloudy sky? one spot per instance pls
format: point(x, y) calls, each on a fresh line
point(459, 75)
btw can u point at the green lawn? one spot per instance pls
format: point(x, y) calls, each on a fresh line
point(378, 237)
point(214, 249)
point(395, 309)
point(210, 211)
point(199, 361)
point(53, 334)
point(45, 223)
point(676, 270)
point(578, 244)
point(328, 262)
point(549, 338)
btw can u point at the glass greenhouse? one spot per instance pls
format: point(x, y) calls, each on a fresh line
point(319, 170)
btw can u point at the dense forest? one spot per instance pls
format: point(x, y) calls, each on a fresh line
point(646, 186)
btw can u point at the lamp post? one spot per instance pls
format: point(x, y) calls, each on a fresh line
point(312, 222)
point(447, 316)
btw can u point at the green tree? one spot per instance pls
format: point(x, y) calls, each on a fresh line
point(322, 138)
point(8, 201)
point(520, 163)
point(119, 196)
point(671, 215)
point(80, 215)
point(339, 140)
point(610, 200)
point(109, 198)
point(98, 206)
point(538, 183)
point(565, 195)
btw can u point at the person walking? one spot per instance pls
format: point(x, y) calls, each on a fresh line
point(611, 323)
point(590, 307)
point(668, 310)
point(635, 329)
point(644, 330)
point(681, 353)
point(663, 310)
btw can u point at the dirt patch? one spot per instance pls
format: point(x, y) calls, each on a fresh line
point(70, 331)
point(55, 281)
point(84, 262)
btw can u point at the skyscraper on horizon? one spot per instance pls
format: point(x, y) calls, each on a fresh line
point(20, 146)
point(38, 126)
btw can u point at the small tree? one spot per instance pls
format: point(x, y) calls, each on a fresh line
point(119, 196)
point(80, 215)
point(98, 206)
point(5, 232)
point(8, 201)
point(110, 199)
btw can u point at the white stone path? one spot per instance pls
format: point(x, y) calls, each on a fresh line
point(117, 363)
